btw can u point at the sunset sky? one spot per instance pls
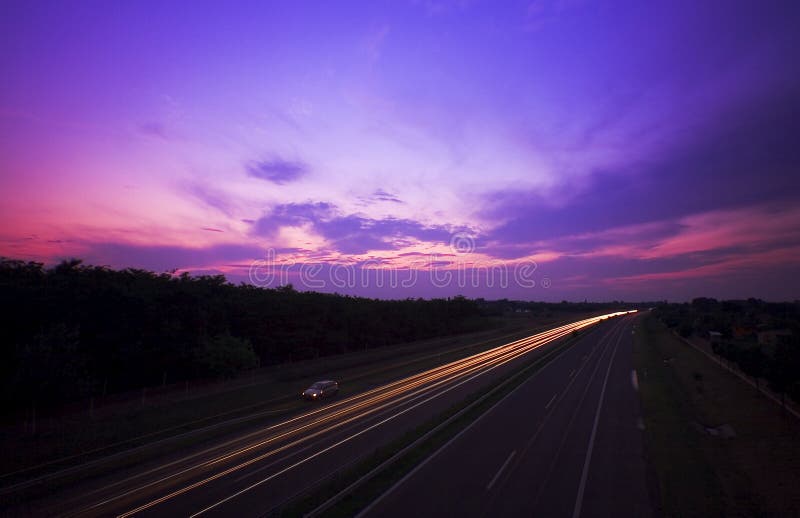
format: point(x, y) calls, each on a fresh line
point(618, 150)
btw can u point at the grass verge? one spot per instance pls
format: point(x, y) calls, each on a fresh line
point(685, 399)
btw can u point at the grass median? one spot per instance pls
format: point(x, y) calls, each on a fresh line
point(715, 445)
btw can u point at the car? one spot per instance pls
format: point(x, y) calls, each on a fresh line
point(321, 390)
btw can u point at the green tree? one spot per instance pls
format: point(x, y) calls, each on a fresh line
point(224, 356)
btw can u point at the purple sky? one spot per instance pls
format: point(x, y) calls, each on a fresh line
point(611, 150)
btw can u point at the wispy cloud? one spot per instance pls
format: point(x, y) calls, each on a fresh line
point(277, 170)
point(167, 258)
point(209, 196)
point(381, 195)
point(373, 43)
point(153, 129)
point(349, 233)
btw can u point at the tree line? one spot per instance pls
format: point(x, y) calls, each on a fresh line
point(72, 331)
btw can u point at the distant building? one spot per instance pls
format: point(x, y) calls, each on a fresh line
point(774, 336)
point(714, 337)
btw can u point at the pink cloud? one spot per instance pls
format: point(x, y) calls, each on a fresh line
point(750, 228)
point(731, 265)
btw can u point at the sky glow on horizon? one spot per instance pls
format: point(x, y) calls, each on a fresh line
point(630, 150)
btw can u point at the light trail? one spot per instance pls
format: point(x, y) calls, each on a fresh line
point(303, 461)
point(312, 424)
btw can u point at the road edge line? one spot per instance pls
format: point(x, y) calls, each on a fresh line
point(441, 448)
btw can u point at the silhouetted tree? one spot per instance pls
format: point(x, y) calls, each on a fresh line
point(73, 330)
point(753, 362)
point(224, 356)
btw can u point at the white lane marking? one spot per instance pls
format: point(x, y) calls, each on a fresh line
point(640, 423)
point(539, 340)
point(571, 373)
point(635, 380)
point(317, 454)
point(500, 471)
point(582, 487)
point(347, 439)
point(487, 366)
point(551, 401)
point(606, 337)
point(367, 510)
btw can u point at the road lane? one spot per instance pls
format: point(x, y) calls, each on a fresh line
point(552, 438)
point(619, 457)
point(268, 491)
point(257, 471)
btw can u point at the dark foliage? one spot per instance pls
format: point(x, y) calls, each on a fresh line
point(72, 331)
point(739, 323)
point(75, 331)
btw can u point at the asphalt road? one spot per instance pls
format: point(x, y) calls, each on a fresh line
point(567, 442)
point(254, 473)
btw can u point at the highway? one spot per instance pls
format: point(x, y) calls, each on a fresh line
point(566, 442)
point(253, 474)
